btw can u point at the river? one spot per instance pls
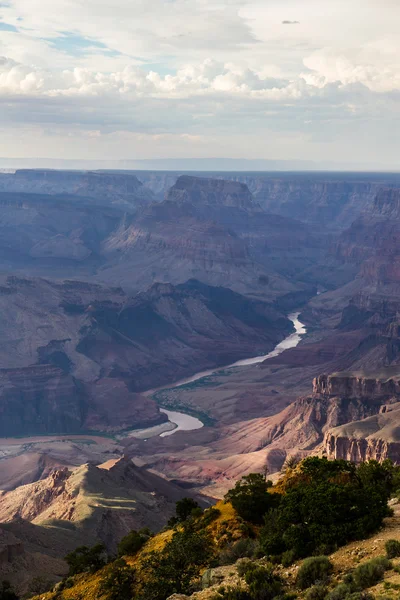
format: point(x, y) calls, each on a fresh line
point(186, 422)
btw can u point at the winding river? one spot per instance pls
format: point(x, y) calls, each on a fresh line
point(186, 422)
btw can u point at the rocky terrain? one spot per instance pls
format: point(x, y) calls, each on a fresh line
point(77, 354)
point(123, 190)
point(212, 230)
point(333, 200)
point(147, 280)
point(43, 521)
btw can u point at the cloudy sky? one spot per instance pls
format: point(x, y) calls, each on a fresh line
point(277, 79)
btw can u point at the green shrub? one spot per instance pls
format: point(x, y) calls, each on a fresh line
point(210, 515)
point(263, 583)
point(185, 508)
point(325, 504)
point(243, 565)
point(173, 569)
point(131, 543)
point(369, 573)
point(251, 499)
point(314, 569)
point(244, 548)
point(288, 558)
point(230, 593)
point(340, 592)
point(118, 581)
point(316, 592)
point(86, 560)
point(392, 548)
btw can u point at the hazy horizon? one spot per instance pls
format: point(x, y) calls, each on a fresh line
point(202, 165)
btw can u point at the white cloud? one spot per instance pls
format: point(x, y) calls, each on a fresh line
point(201, 71)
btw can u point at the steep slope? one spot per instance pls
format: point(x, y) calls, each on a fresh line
point(101, 504)
point(169, 331)
point(75, 354)
point(328, 200)
point(43, 521)
point(213, 231)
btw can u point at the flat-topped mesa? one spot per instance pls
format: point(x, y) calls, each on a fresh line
point(217, 192)
point(356, 386)
point(90, 184)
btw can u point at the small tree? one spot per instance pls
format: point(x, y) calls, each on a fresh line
point(184, 508)
point(86, 560)
point(172, 570)
point(131, 543)
point(118, 581)
point(251, 499)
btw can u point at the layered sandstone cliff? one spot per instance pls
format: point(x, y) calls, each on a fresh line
point(376, 437)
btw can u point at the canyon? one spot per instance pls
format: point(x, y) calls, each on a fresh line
point(120, 288)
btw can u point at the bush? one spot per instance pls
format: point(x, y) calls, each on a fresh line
point(118, 581)
point(316, 592)
point(231, 594)
point(244, 548)
point(185, 507)
point(340, 592)
point(263, 583)
point(243, 565)
point(86, 560)
point(325, 504)
point(392, 548)
point(173, 569)
point(251, 499)
point(288, 558)
point(369, 573)
point(132, 543)
point(210, 515)
point(314, 569)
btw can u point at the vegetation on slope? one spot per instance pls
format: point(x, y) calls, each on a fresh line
point(315, 508)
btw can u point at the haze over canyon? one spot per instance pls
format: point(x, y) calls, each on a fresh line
point(258, 310)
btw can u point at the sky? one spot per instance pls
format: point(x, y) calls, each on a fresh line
point(314, 80)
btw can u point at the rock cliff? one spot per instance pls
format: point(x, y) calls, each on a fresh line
point(327, 199)
point(376, 437)
point(76, 354)
point(122, 189)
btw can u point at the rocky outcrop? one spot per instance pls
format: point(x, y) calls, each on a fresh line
point(360, 450)
point(215, 192)
point(126, 497)
point(356, 386)
point(329, 200)
point(211, 230)
point(376, 437)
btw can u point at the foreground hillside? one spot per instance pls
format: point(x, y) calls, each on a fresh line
point(320, 533)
